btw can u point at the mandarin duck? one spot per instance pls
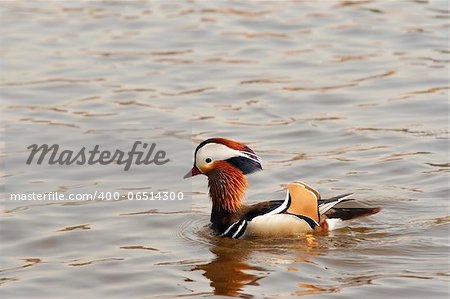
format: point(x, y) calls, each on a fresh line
point(226, 163)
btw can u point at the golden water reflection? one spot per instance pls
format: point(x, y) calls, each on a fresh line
point(235, 265)
point(228, 271)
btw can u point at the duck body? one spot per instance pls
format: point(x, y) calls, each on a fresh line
point(290, 217)
point(226, 163)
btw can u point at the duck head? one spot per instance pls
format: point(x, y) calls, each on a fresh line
point(212, 154)
point(225, 162)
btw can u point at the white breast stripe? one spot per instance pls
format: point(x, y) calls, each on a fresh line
point(280, 208)
point(239, 229)
point(325, 207)
point(228, 229)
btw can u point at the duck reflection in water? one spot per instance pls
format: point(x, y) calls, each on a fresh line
point(236, 264)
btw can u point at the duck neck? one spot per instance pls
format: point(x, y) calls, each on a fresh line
point(227, 186)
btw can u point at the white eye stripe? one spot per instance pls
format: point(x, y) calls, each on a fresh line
point(216, 151)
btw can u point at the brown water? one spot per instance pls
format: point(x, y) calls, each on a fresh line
point(347, 96)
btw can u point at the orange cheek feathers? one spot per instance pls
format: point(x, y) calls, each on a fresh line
point(206, 168)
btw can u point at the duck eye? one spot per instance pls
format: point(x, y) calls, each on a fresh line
point(208, 160)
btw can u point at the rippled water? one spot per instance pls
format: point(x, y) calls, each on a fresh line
point(347, 96)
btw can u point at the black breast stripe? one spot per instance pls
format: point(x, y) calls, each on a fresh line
point(241, 231)
point(228, 229)
point(308, 220)
point(235, 230)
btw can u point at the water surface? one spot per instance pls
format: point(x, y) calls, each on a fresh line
point(346, 96)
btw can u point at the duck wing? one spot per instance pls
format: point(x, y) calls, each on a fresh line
point(326, 204)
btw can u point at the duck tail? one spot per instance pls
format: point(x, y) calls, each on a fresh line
point(351, 213)
point(334, 218)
